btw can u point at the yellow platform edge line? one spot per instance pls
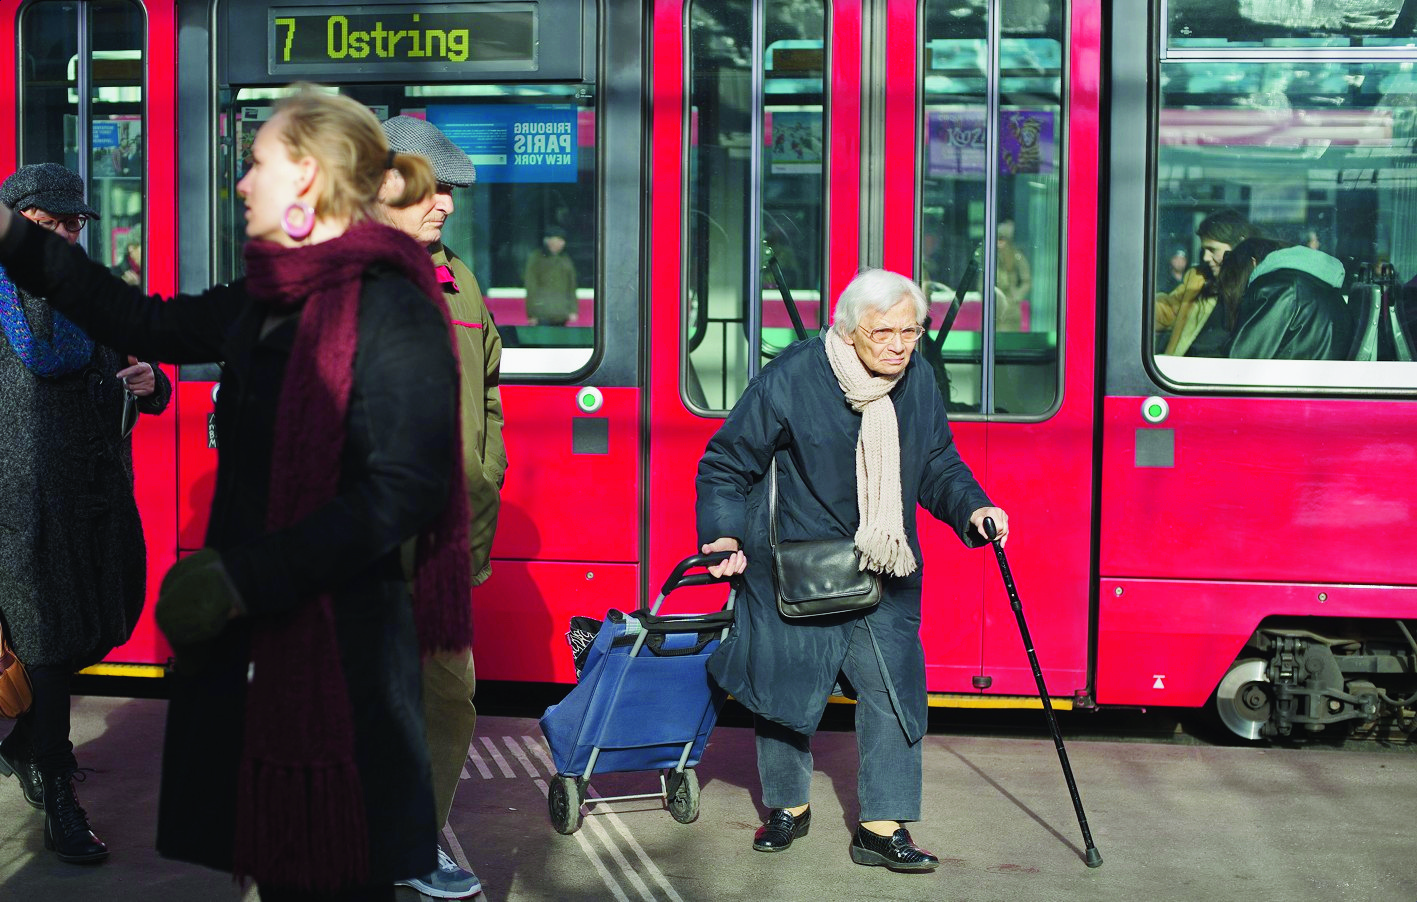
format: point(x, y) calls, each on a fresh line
point(948, 700)
point(126, 670)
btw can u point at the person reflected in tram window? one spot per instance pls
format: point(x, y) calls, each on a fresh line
point(72, 554)
point(1312, 240)
point(1183, 312)
point(550, 279)
point(1014, 279)
point(449, 680)
point(130, 268)
point(1284, 303)
point(859, 435)
point(1175, 273)
point(294, 753)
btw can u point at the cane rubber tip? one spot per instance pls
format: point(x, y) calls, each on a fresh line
point(1094, 858)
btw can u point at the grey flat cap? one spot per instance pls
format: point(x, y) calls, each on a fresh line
point(450, 164)
point(48, 186)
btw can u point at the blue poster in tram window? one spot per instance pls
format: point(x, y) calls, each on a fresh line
point(105, 135)
point(514, 143)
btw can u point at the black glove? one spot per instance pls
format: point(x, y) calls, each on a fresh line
point(196, 600)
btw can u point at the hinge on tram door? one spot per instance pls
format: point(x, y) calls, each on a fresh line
point(981, 681)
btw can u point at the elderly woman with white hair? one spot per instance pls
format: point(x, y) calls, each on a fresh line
point(858, 432)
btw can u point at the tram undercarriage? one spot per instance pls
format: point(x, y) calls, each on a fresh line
point(1359, 679)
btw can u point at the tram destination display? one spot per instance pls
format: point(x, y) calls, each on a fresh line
point(437, 37)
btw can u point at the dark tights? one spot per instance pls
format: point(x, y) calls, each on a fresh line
point(43, 730)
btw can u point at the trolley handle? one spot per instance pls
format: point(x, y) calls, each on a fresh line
point(677, 579)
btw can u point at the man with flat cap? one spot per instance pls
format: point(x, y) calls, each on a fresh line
point(448, 678)
point(73, 565)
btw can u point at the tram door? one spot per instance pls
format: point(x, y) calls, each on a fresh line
point(798, 127)
point(1002, 108)
point(544, 97)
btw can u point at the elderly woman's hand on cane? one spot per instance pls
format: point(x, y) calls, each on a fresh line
point(1001, 523)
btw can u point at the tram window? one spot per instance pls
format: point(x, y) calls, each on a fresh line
point(724, 270)
point(1207, 25)
point(1020, 219)
point(1316, 155)
point(533, 147)
point(86, 112)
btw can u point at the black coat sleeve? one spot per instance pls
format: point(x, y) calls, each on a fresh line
point(403, 410)
point(737, 457)
point(948, 489)
point(186, 329)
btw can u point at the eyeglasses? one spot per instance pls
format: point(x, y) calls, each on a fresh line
point(71, 224)
point(910, 334)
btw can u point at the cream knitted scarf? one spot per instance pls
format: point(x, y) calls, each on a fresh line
point(881, 536)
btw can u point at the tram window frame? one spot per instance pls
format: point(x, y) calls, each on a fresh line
point(115, 181)
point(556, 353)
point(710, 386)
point(1004, 80)
point(1364, 125)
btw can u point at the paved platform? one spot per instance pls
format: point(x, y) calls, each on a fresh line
point(1173, 822)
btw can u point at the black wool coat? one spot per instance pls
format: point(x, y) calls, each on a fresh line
point(73, 564)
point(394, 479)
point(795, 411)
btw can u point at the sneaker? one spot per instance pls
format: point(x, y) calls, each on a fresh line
point(448, 881)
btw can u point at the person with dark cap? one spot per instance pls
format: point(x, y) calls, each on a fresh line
point(449, 679)
point(73, 564)
point(550, 280)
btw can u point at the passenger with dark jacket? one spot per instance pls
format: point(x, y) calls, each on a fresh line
point(73, 564)
point(1285, 303)
point(295, 750)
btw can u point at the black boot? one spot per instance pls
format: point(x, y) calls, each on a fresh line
point(21, 765)
point(66, 825)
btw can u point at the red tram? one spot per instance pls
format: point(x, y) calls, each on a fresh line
point(1188, 530)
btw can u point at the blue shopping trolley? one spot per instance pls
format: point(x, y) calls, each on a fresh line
point(644, 702)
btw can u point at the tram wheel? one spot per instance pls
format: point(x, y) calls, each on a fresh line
point(563, 801)
point(1244, 698)
point(683, 795)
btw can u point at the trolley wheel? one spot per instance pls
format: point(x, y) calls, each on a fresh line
point(683, 795)
point(563, 801)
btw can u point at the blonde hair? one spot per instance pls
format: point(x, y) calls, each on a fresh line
point(879, 290)
point(345, 139)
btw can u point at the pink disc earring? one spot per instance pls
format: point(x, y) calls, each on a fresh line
point(299, 230)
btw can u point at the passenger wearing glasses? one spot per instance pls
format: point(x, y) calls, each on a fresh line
point(73, 563)
point(860, 437)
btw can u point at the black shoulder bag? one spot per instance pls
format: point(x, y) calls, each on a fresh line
point(819, 577)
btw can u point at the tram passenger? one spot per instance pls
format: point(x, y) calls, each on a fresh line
point(854, 465)
point(295, 751)
point(1184, 311)
point(550, 280)
point(449, 679)
point(1284, 303)
point(130, 268)
point(1014, 279)
point(73, 565)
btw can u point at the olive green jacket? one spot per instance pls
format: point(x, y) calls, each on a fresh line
point(480, 358)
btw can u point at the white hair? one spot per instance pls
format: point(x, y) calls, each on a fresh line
point(879, 290)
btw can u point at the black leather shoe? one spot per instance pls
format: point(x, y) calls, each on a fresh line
point(896, 851)
point(781, 829)
point(66, 824)
point(23, 768)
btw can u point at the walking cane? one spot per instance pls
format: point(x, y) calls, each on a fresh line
point(1092, 856)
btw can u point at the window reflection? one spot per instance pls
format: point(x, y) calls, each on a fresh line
point(526, 227)
point(1316, 155)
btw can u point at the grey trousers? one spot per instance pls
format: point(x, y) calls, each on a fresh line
point(888, 779)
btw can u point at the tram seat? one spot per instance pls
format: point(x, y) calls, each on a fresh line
point(1379, 333)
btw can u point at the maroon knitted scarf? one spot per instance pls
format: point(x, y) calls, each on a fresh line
point(300, 819)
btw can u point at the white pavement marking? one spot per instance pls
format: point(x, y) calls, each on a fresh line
point(497, 757)
point(610, 882)
point(476, 758)
point(538, 749)
point(593, 823)
point(455, 847)
point(639, 851)
point(520, 755)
